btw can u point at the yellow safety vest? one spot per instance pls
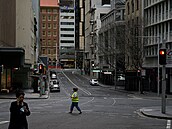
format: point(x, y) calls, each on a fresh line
point(75, 97)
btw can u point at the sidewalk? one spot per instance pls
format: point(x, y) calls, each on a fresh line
point(155, 112)
point(28, 95)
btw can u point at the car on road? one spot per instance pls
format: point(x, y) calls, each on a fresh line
point(94, 82)
point(54, 85)
point(121, 77)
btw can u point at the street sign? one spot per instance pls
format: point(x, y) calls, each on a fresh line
point(107, 72)
point(96, 71)
point(169, 57)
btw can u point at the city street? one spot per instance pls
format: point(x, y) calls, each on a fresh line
point(102, 107)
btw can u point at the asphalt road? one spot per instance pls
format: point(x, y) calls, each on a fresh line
point(103, 108)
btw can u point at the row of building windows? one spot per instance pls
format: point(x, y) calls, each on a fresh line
point(134, 6)
point(49, 43)
point(43, 10)
point(51, 51)
point(67, 23)
point(67, 11)
point(49, 33)
point(67, 35)
point(66, 41)
point(160, 30)
point(151, 2)
point(157, 13)
point(67, 17)
point(152, 51)
point(49, 17)
point(67, 29)
point(49, 25)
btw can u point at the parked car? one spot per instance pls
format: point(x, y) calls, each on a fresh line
point(121, 77)
point(54, 86)
point(94, 82)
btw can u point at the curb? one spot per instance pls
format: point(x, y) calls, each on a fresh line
point(154, 113)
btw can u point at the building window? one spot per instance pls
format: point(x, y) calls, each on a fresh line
point(54, 43)
point(49, 17)
point(67, 29)
point(105, 2)
point(67, 23)
point(43, 17)
point(43, 51)
point(137, 4)
point(67, 35)
point(49, 42)
point(132, 5)
point(54, 33)
point(49, 25)
point(49, 33)
point(67, 41)
point(43, 25)
point(128, 7)
point(55, 10)
point(55, 18)
point(49, 10)
point(49, 51)
point(43, 43)
point(43, 33)
point(54, 26)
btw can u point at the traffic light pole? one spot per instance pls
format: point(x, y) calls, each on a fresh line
point(163, 110)
point(163, 63)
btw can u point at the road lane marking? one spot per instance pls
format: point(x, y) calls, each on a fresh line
point(85, 91)
point(87, 101)
point(114, 101)
point(168, 124)
point(3, 122)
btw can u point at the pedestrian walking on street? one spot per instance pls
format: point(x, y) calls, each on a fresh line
point(18, 112)
point(75, 100)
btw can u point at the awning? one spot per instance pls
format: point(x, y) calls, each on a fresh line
point(12, 57)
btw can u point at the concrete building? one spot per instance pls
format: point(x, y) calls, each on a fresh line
point(79, 32)
point(67, 34)
point(49, 30)
point(17, 39)
point(134, 27)
point(111, 44)
point(151, 21)
point(36, 8)
point(94, 10)
point(158, 29)
point(134, 53)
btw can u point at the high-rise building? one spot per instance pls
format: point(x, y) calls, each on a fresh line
point(49, 30)
point(67, 55)
point(94, 10)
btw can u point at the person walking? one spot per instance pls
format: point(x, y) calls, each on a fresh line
point(18, 112)
point(75, 100)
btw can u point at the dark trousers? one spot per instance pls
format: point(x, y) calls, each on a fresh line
point(75, 104)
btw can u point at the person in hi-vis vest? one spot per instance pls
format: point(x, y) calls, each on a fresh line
point(75, 101)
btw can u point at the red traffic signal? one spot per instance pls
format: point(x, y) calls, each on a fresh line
point(162, 56)
point(41, 68)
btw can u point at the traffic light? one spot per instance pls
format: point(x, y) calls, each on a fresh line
point(41, 68)
point(162, 56)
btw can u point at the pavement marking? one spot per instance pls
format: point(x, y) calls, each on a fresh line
point(168, 124)
point(114, 101)
point(134, 97)
point(3, 122)
point(87, 101)
point(85, 91)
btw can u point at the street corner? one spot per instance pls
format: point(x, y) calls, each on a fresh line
point(155, 112)
point(36, 96)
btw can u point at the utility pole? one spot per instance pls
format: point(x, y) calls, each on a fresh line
point(162, 59)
